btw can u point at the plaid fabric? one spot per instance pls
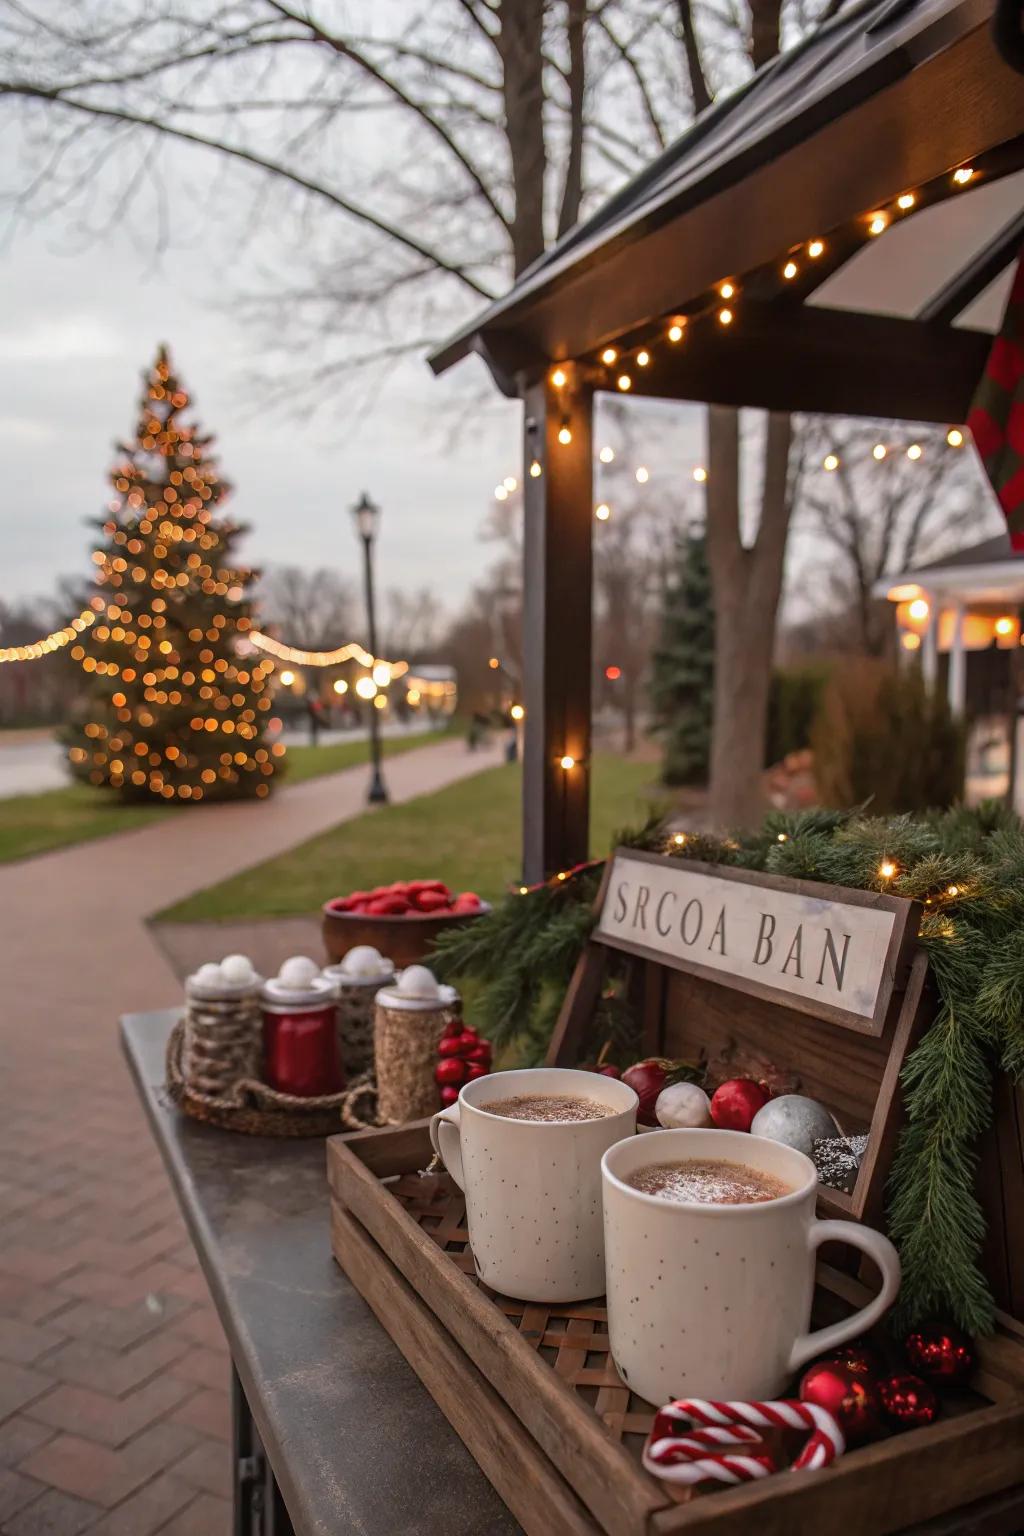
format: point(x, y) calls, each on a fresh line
point(996, 418)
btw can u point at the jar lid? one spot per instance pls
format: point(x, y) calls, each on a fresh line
point(362, 966)
point(417, 988)
point(234, 976)
point(298, 984)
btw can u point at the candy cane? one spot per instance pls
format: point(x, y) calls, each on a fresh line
point(674, 1448)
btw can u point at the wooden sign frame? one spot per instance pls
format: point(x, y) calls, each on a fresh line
point(807, 897)
point(761, 1011)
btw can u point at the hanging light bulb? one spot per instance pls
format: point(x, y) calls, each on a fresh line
point(602, 512)
point(565, 433)
point(535, 470)
point(642, 475)
point(607, 454)
point(566, 762)
point(700, 474)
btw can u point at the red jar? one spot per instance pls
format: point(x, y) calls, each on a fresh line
point(300, 1039)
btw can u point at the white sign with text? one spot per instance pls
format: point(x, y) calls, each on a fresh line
point(823, 951)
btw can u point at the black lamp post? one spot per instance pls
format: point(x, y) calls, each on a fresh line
point(366, 514)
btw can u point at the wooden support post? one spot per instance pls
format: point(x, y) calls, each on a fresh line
point(557, 601)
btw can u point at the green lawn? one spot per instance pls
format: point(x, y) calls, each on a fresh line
point(59, 817)
point(466, 834)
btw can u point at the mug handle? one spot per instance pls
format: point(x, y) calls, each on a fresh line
point(877, 1247)
point(444, 1138)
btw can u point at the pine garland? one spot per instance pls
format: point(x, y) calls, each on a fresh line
point(966, 867)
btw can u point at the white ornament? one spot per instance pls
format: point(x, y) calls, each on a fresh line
point(794, 1120)
point(208, 975)
point(683, 1106)
point(298, 973)
point(418, 981)
point(237, 970)
point(363, 960)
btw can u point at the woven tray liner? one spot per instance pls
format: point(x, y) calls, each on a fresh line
point(255, 1109)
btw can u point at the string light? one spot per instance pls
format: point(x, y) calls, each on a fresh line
point(287, 678)
point(606, 455)
point(494, 663)
point(642, 358)
point(675, 332)
point(816, 249)
point(609, 356)
point(54, 641)
point(878, 223)
point(341, 687)
point(353, 651)
point(366, 688)
point(565, 763)
point(559, 377)
point(510, 483)
point(879, 451)
point(565, 434)
point(955, 438)
point(830, 462)
point(517, 712)
point(790, 270)
point(1005, 625)
point(725, 317)
point(700, 474)
point(906, 201)
point(783, 837)
point(726, 290)
point(914, 451)
point(602, 511)
point(962, 176)
point(919, 609)
point(642, 475)
point(535, 469)
point(624, 382)
point(500, 493)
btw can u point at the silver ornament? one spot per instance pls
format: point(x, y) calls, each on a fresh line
point(794, 1120)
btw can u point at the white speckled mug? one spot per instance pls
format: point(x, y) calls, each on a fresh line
point(714, 1301)
point(533, 1187)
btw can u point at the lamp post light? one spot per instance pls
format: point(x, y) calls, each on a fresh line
point(367, 514)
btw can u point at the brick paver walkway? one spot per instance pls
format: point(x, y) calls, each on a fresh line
point(113, 1369)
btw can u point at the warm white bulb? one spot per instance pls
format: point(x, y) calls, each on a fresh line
point(675, 333)
point(510, 483)
point(517, 712)
point(955, 438)
point(287, 678)
point(830, 462)
point(906, 200)
point(700, 474)
point(816, 249)
point(567, 762)
point(1005, 625)
point(887, 869)
point(500, 493)
point(914, 451)
point(609, 355)
point(725, 317)
point(341, 686)
point(963, 175)
point(535, 470)
point(877, 223)
point(642, 475)
point(366, 688)
point(624, 382)
point(790, 270)
point(918, 608)
point(606, 455)
point(879, 451)
point(602, 512)
point(559, 377)
point(727, 290)
point(642, 359)
point(564, 435)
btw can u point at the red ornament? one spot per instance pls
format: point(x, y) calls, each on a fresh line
point(735, 1103)
point(467, 1041)
point(907, 1401)
point(852, 1400)
point(475, 1069)
point(449, 1045)
point(449, 1095)
point(941, 1353)
point(450, 1072)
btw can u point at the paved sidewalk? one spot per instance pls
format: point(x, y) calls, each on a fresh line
point(113, 1371)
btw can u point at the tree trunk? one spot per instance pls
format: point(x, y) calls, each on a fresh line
point(747, 584)
point(520, 45)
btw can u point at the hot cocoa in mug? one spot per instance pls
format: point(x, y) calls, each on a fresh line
point(526, 1148)
point(710, 1242)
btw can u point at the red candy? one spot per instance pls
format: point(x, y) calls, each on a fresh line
point(409, 898)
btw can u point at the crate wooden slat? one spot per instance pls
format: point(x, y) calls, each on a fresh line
point(533, 1392)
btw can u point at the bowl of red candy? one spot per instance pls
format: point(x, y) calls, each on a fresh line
point(401, 920)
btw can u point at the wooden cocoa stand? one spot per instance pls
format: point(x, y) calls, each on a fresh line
point(825, 986)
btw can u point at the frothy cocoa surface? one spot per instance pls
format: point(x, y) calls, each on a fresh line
point(558, 1108)
point(708, 1182)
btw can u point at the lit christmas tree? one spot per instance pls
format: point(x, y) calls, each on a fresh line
point(177, 708)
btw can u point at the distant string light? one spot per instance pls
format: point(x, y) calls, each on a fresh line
point(606, 455)
point(56, 640)
point(353, 651)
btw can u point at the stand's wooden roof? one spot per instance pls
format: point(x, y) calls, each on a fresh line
point(890, 95)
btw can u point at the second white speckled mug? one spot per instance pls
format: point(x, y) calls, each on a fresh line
point(533, 1187)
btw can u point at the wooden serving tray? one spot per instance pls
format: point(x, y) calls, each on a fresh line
point(535, 1396)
